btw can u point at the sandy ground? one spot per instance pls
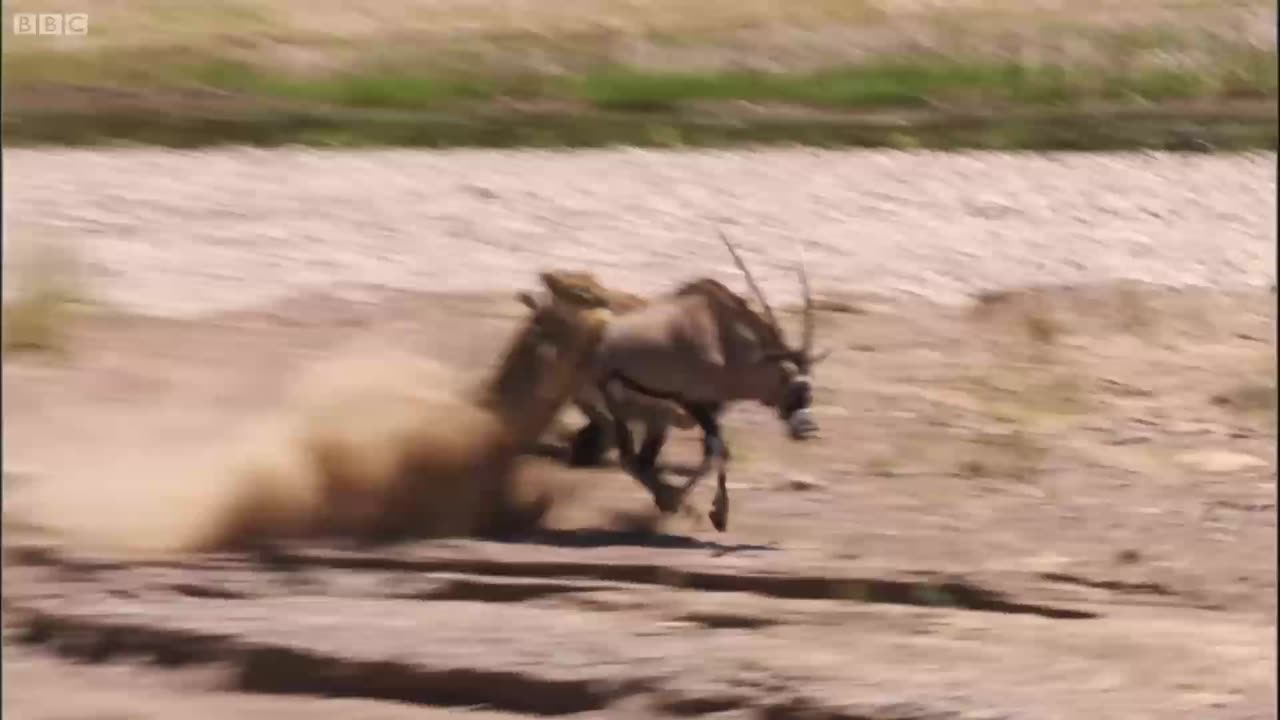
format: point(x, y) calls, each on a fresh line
point(1053, 504)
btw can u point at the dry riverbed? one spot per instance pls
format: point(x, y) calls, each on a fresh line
point(1052, 503)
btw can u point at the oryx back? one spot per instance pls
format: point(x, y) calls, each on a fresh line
point(582, 289)
point(691, 345)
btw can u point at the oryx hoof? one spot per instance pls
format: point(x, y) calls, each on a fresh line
point(720, 512)
point(719, 517)
point(665, 497)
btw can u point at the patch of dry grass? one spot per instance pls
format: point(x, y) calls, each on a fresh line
point(48, 290)
point(883, 24)
point(1136, 317)
point(983, 448)
point(664, 50)
point(1020, 405)
point(1029, 385)
point(629, 71)
point(1254, 391)
point(1013, 455)
point(1116, 375)
point(1249, 396)
point(1086, 372)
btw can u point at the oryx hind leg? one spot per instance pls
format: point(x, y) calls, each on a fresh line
point(589, 445)
point(627, 457)
point(592, 441)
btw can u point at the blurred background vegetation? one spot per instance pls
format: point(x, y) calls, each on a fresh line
point(1187, 74)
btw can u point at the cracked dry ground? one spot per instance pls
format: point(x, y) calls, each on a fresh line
point(1053, 504)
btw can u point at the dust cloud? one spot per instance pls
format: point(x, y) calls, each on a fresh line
point(371, 444)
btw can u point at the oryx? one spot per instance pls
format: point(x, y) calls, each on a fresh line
point(702, 347)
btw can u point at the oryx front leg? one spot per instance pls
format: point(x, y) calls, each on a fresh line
point(715, 454)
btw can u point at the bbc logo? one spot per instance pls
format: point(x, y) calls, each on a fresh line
point(51, 23)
